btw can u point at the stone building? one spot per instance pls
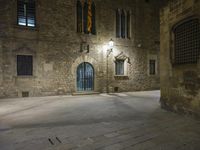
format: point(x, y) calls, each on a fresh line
point(52, 47)
point(180, 51)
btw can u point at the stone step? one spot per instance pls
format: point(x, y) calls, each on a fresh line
point(85, 93)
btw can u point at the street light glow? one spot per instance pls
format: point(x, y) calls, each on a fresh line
point(111, 43)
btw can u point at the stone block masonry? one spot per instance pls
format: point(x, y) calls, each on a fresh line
point(55, 47)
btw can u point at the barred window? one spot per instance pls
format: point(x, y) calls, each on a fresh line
point(119, 67)
point(24, 65)
point(187, 42)
point(26, 13)
point(152, 67)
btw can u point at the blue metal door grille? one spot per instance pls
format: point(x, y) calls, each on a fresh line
point(85, 77)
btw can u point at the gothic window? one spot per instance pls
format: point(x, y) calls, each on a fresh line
point(123, 24)
point(93, 19)
point(24, 65)
point(79, 16)
point(128, 24)
point(187, 42)
point(118, 23)
point(119, 67)
point(152, 67)
point(26, 13)
point(86, 17)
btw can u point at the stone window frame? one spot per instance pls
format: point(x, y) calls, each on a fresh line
point(152, 71)
point(172, 36)
point(118, 32)
point(84, 24)
point(126, 60)
point(76, 63)
point(118, 63)
point(24, 51)
point(35, 16)
point(24, 71)
point(152, 57)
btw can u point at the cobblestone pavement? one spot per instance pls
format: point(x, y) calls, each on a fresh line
point(125, 121)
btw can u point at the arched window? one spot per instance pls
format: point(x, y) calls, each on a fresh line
point(85, 17)
point(118, 23)
point(128, 24)
point(187, 42)
point(93, 19)
point(123, 24)
point(79, 16)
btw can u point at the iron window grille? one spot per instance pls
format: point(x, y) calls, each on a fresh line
point(187, 42)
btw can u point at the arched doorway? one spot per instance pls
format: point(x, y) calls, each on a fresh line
point(85, 77)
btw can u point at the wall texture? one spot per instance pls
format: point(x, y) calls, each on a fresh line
point(180, 84)
point(55, 47)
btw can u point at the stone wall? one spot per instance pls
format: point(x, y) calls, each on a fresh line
point(1, 70)
point(55, 47)
point(180, 84)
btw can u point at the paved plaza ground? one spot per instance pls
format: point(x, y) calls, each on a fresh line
point(124, 121)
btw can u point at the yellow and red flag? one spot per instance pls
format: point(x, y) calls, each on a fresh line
point(89, 22)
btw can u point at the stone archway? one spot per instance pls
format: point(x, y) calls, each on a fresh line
point(89, 60)
point(85, 77)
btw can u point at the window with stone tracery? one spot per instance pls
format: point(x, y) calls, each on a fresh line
point(86, 16)
point(123, 24)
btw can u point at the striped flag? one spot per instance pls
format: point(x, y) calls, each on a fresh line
point(89, 24)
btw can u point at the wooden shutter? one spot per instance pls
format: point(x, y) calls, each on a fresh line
point(24, 65)
point(26, 13)
point(21, 12)
point(31, 13)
